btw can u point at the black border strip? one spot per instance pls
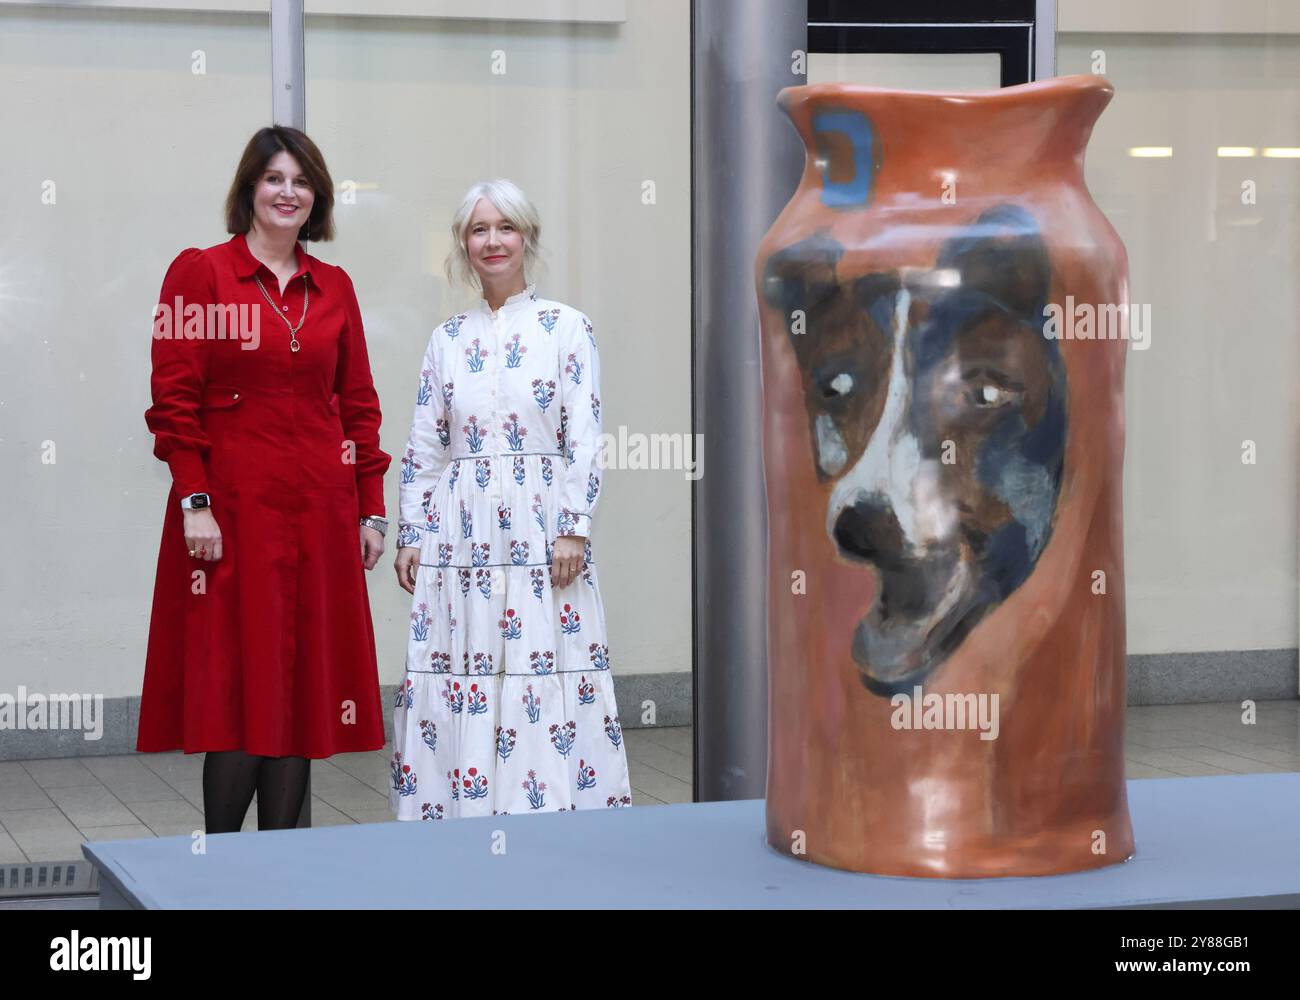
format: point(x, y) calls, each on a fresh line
point(1013, 42)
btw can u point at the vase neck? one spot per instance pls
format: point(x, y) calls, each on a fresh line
point(861, 140)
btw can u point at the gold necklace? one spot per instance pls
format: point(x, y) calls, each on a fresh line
point(293, 330)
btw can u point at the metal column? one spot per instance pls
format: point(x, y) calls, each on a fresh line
point(746, 161)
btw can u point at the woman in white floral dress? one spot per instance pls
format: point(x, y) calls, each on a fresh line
point(508, 704)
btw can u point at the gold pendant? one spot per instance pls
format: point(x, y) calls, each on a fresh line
point(294, 345)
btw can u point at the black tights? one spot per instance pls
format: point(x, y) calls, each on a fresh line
point(231, 776)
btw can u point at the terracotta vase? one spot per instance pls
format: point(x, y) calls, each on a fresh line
point(943, 442)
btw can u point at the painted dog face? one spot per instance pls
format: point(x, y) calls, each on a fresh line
point(938, 408)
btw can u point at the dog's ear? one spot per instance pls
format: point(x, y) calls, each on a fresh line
point(802, 276)
point(1002, 254)
point(876, 294)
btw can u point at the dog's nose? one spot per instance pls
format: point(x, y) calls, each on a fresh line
point(868, 530)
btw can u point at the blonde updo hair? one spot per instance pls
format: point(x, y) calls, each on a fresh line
point(515, 207)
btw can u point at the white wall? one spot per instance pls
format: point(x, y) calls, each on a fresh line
point(142, 151)
point(582, 116)
point(1211, 543)
point(104, 103)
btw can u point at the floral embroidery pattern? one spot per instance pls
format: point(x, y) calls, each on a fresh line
point(512, 626)
point(473, 435)
point(409, 467)
point(570, 620)
point(514, 353)
point(420, 622)
point(404, 779)
point(536, 791)
point(562, 737)
point(476, 785)
point(543, 392)
point(475, 356)
point(542, 661)
point(515, 709)
point(514, 433)
point(454, 697)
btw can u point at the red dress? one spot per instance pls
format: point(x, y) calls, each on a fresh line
point(271, 649)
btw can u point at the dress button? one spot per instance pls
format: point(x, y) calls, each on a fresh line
point(235, 396)
point(284, 308)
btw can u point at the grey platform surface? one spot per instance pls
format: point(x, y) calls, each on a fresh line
point(1198, 839)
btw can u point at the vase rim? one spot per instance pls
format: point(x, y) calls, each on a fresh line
point(1049, 89)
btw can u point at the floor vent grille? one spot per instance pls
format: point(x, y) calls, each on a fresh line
point(48, 878)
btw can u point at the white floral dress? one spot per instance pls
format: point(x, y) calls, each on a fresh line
point(507, 705)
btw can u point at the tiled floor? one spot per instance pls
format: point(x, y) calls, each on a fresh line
point(49, 807)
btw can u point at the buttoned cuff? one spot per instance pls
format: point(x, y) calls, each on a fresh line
point(188, 474)
point(569, 523)
point(370, 496)
point(409, 535)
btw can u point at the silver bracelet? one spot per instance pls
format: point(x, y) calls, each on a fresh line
point(380, 524)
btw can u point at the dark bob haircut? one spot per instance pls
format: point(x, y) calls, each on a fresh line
point(261, 149)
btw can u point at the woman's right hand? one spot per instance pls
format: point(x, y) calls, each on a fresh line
point(407, 565)
point(202, 536)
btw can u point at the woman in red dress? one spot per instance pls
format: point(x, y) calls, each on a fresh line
point(261, 649)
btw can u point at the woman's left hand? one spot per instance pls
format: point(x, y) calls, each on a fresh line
point(372, 547)
point(566, 559)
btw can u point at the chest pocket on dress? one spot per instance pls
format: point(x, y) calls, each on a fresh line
point(221, 413)
point(221, 397)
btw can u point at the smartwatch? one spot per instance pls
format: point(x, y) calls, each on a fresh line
point(196, 501)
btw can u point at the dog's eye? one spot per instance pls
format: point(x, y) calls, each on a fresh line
point(840, 385)
point(986, 397)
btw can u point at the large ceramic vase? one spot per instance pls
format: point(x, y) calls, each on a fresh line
point(944, 329)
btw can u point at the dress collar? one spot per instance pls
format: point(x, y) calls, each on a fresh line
point(246, 265)
point(517, 301)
